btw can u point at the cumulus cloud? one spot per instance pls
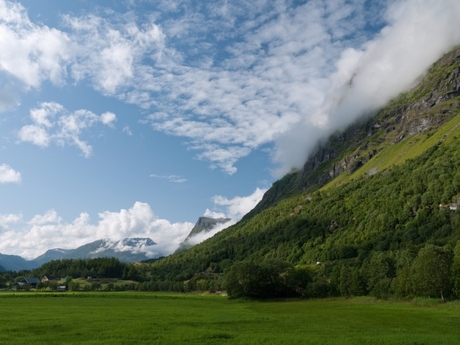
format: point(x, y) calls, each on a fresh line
point(7, 219)
point(30, 52)
point(51, 122)
point(9, 175)
point(233, 210)
point(48, 231)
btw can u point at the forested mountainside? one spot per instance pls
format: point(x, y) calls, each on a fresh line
point(376, 193)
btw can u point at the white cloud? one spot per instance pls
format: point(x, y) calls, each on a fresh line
point(7, 219)
point(108, 118)
point(110, 51)
point(366, 78)
point(30, 52)
point(50, 216)
point(127, 130)
point(238, 206)
point(53, 123)
point(48, 231)
point(170, 178)
point(9, 175)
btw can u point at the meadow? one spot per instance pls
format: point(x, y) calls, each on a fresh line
point(162, 318)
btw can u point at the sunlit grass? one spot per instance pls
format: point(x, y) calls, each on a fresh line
point(166, 318)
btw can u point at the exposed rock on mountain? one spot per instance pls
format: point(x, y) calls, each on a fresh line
point(202, 226)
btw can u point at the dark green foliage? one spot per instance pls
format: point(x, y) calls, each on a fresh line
point(264, 280)
point(431, 273)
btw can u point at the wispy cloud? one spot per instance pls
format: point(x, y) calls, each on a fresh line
point(9, 175)
point(109, 52)
point(170, 178)
point(51, 122)
point(231, 77)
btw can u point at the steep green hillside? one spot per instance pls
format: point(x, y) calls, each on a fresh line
point(411, 117)
point(380, 194)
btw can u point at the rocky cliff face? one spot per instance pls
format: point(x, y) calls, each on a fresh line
point(430, 104)
point(204, 224)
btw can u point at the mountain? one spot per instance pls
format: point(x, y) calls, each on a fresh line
point(52, 254)
point(126, 250)
point(2, 269)
point(202, 226)
point(15, 263)
point(384, 187)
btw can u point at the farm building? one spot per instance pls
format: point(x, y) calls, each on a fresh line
point(31, 281)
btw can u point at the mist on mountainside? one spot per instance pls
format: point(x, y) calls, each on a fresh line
point(418, 33)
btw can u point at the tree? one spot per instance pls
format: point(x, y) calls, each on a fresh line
point(96, 286)
point(431, 271)
point(346, 276)
point(379, 272)
point(74, 286)
point(456, 271)
point(298, 278)
point(257, 280)
point(40, 286)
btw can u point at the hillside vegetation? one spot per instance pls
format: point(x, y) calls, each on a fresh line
point(375, 194)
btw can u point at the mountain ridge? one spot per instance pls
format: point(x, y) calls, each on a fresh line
point(126, 250)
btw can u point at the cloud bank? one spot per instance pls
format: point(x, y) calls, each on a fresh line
point(31, 239)
point(47, 231)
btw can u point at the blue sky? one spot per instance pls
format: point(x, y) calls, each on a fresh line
point(134, 118)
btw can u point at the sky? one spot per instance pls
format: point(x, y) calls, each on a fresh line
point(134, 118)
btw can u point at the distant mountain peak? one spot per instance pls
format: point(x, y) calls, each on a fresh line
point(127, 249)
point(203, 225)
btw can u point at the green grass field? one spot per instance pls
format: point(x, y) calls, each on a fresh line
point(155, 318)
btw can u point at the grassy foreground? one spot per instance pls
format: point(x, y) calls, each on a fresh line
point(154, 318)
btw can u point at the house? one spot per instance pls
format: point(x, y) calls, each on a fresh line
point(61, 288)
point(31, 281)
point(48, 278)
